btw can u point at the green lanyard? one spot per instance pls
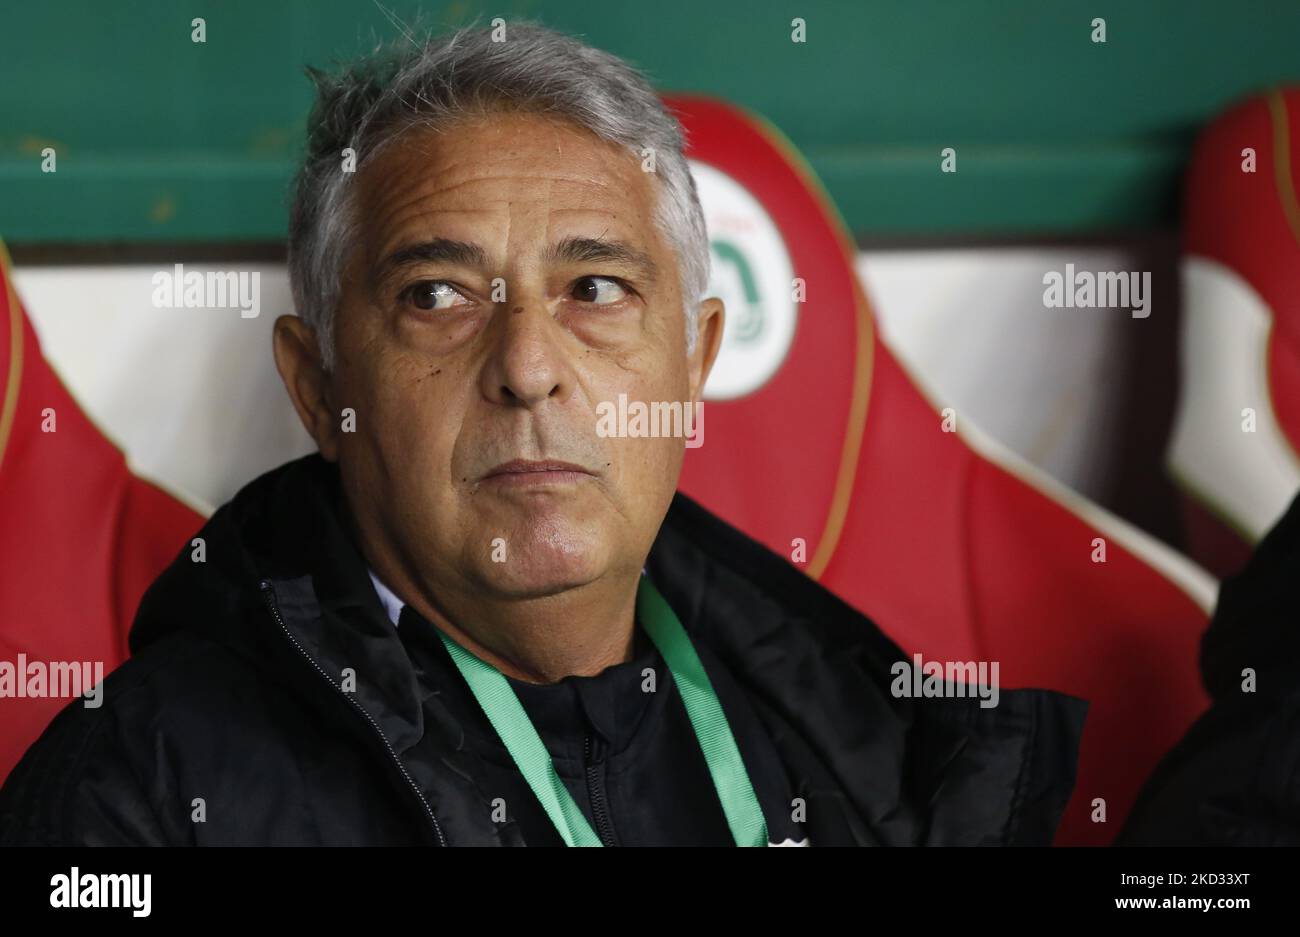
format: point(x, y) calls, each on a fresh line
point(507, 715)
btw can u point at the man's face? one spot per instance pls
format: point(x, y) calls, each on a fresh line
point(508, 277)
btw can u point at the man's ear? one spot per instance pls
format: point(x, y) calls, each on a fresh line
point(708, 340)
point(297, 358)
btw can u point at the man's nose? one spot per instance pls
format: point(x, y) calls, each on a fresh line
point(529, 362)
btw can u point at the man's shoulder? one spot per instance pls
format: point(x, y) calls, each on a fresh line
point(184, 665)
point(171, 684)
point(999, 773)
point(94, 774)
point(698, 554)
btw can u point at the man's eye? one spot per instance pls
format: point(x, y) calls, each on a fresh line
point(433, 295)
point(601, 290)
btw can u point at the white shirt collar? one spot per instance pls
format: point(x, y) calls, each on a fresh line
point(392, 604)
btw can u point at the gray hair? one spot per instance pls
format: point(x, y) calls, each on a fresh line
point(375, 99)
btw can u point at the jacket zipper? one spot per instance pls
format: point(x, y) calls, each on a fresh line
point(268, 593)
point(594, 756)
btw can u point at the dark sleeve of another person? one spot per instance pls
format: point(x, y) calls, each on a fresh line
point(1234, 779)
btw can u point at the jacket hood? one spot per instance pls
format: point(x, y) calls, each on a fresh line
point(283, 525)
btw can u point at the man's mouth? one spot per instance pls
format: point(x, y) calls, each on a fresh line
point(524, 472)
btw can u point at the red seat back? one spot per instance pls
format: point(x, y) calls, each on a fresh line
point(80, 536)
point(1237, 434)
point(959, 551)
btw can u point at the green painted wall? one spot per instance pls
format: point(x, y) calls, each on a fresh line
point(161, 139)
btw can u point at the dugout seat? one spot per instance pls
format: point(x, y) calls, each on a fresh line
point(1237, 433)
point(836, 458)
point(81, 537)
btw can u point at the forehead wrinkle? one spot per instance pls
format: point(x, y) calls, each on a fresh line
point(389, 205)
point(532, 174)
point(471, 173)
point(399, 204)
point(507, 137)
point(401, 219)
point(413, 228)
point(386, 216)
point(626, 226)
point(381, 178)
point(601, 175)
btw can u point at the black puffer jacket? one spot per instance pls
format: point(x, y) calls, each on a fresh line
point(231, 697)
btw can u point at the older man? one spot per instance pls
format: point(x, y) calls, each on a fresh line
point(473, 618)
